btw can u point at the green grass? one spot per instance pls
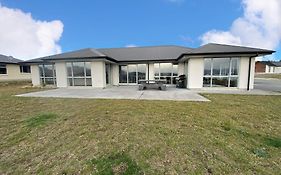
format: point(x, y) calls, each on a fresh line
point(118, 163)
point(276, 76)
point(232, 134)
point(40, 119)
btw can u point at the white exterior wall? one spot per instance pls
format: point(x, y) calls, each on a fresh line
point(272, 69)
point(266, 69)
point(61, 74)
point(181, 69)
point(277, 70)
point(151, 71)
point(35, 76)
point(195, 70)
point(243, 73)
point(13, 73)
point(98, 74)
point(115, 74)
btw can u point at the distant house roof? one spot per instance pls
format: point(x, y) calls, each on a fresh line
point(277, 64)
point(9, 59)
point(151, 53)
point(271, 63)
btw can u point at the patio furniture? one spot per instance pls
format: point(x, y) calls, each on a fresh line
point(152, 84)
point(181, 81)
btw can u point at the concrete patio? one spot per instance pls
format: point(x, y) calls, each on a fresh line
point(121, 92)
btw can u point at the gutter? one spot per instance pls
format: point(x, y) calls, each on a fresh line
point(249, 71)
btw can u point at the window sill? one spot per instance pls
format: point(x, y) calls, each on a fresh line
point(3, 74)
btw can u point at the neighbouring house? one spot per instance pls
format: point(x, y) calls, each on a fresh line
point(13, 69)
point(268, 67)
point(209, 66)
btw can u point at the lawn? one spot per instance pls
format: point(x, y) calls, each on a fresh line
point(277, 76)
point(232, 134)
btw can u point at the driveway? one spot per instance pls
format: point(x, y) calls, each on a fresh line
point(273, 85)
point(121, 92)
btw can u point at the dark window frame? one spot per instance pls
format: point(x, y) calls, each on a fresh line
point(25, 69)
point(3, 67)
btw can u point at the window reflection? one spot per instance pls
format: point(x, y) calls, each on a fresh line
point(131, 73)
point(79, 73)
point(47, 74)
point(221, 66)
point(166, 71)
point(220, 72)
point(207, 66)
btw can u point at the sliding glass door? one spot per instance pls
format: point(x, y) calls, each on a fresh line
point(132, 73)
point(166, 71)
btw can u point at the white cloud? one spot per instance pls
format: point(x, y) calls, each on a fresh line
point(24, 37)
point(260, 26)
point(131, 45)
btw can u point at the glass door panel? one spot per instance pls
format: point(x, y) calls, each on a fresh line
point(132, 73)
point(122, 74)
point(141, 71)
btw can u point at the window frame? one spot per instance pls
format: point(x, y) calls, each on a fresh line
point(4, 66)
point(137, 73)
point(21, 69)
point(172, 76)
point(73, 78)
point(43, 78)
point(229, 76)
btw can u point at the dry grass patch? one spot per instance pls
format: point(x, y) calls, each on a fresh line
point(277, 76)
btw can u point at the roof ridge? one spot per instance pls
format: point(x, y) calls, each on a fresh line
point(97, 52)
point(145, 47)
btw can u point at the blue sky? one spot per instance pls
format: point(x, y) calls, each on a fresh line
point(112, 23)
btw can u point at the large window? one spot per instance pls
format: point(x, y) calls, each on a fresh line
point(220, 72)
point(47, 74)
point(166, 71)
point(25, 69)
point(79, 74)
point(132, 73)
point(3, 69)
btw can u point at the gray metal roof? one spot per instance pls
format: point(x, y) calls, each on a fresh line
point(83, 53)
point(149, 53)
point(9, 59)
point(275, 63)
point(213, 48)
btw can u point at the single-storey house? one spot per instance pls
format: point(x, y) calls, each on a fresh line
point(210, 66)
point(268, 67)
point(13, 69)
